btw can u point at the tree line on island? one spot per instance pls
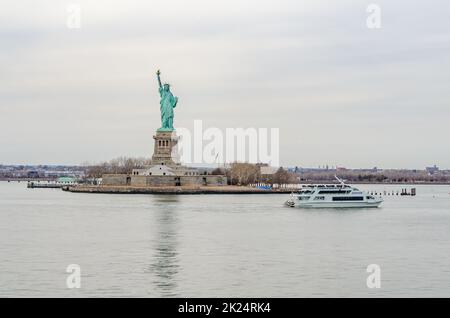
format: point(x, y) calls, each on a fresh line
point(120, 165)
point(238, 173)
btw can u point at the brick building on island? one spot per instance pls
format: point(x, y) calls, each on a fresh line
point(165, 169)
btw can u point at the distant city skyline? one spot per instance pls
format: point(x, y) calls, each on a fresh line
point(339, 92)
point(431, 168)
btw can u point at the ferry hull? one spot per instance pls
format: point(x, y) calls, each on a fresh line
point(345, 205)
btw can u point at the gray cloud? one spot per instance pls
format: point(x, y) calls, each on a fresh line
point(340, 93)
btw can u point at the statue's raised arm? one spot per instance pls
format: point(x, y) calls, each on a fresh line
point(158, 73)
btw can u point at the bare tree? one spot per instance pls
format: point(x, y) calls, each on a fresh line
point(282, 176)
point(243, 173)
point(121, 165)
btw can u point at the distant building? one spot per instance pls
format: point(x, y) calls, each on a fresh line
point(165, 169)
point(32, 174)
point(295, 169)
point(67, 180)
point(432, 170)
point(267, 170)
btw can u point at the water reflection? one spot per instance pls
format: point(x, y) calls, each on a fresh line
point(164, 263)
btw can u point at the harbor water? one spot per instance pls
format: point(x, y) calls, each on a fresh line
point(221, 245)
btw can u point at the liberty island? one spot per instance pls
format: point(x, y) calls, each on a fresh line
point(165, 173)
point(165, 169)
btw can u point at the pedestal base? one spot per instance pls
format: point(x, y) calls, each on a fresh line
point(165, 150)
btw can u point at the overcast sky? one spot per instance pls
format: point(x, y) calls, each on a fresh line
point(341, 93)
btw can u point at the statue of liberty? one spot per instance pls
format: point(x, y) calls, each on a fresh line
point(167, 103)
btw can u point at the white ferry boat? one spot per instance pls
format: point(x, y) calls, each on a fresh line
point(332, 196)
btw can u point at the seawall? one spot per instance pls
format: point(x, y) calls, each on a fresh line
point(172, 190)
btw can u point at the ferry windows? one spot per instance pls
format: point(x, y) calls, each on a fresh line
point(333, 192)
point(321, 198)
point(348, 198)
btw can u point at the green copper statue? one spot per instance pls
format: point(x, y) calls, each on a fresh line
point(167, 103)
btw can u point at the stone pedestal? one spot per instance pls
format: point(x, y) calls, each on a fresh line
point(165, 151)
